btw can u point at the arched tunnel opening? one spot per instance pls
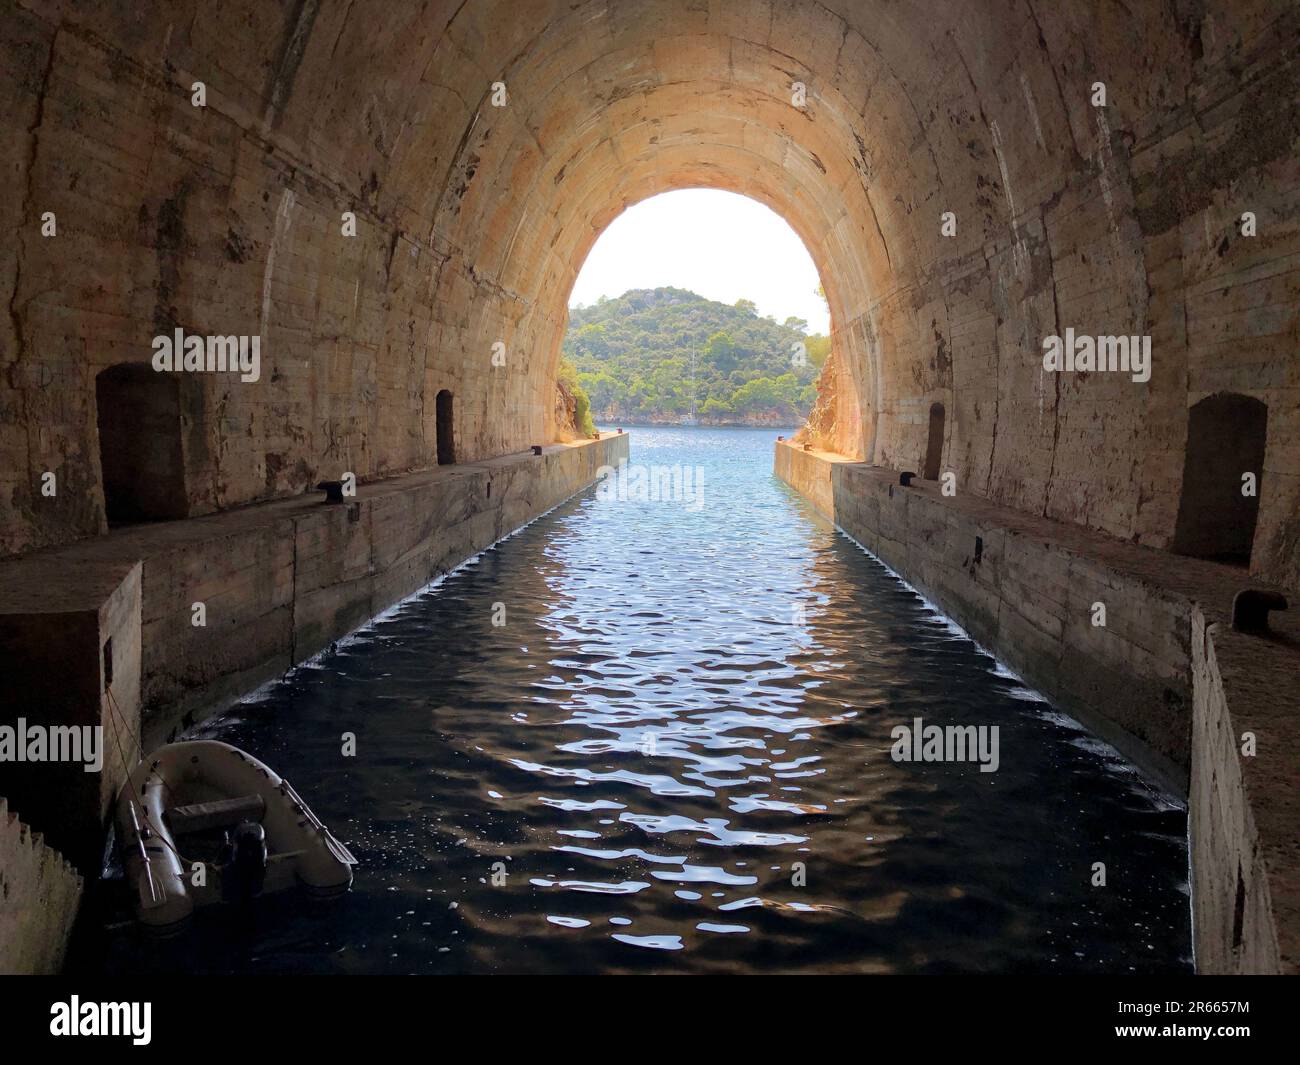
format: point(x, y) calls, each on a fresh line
point(697, 307)
point(694, 687)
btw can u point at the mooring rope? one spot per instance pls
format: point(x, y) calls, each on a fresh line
point(139, 799)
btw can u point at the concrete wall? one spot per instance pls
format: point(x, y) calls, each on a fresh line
point(39, 896)
point(1151, 681)
point(1243, 807)
point(1027, 592)
point(473, 221)
point(63, 629)
point(279, 581)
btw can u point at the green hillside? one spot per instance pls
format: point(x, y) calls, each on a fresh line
point(661, 355)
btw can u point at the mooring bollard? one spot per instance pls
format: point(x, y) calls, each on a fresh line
point(333, 491)
point(537, 449)
point(905, 478)
point(1251, 606)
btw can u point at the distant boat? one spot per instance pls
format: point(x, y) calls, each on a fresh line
point(202, 822)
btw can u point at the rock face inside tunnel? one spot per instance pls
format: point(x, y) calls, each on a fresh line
point(395, 200)
point(969, 179)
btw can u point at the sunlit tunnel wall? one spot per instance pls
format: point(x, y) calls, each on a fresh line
point(952, 170)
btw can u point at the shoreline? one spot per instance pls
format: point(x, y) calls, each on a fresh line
point(689, 425)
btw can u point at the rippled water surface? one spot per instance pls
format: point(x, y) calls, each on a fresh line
point(656, 765)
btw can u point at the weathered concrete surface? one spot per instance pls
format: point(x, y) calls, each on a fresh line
point(809, 473)
point(1245, 811)
point(1149, 681)
point(472, 221)
point(64, 629)
point(40, 894)
point(1026, 592)
point(279, 581)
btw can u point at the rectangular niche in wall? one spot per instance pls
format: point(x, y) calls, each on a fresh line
point(446, 428)
point(1226, 435)
point(138, 410)
point(934, 443)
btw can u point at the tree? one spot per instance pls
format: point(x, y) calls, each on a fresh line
point(748, 306)
point(818, 348)
point(606, 392)
point(568, 377)
point(720, 351)
point(759, 394)
point(663, 352)
point(591, 341)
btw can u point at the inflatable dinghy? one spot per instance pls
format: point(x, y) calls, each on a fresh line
point(202, 822)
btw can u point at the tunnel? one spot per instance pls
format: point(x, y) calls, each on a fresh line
point(397, 200)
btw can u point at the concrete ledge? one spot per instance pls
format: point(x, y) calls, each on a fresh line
point(70, 652)
point(1149, 682)
point(1244, 812)
point(277, 581)
point(1023, 591)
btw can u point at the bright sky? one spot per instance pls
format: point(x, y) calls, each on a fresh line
point(718, 244)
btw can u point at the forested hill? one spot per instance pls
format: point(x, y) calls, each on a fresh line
point(658, 355)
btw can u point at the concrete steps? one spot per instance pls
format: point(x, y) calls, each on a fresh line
point(40, 893)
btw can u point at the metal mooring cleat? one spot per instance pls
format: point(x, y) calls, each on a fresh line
point(333, 491)
point(1250, 608)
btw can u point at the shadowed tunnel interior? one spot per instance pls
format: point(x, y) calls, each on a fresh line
point(396, 199)
point(472, 221)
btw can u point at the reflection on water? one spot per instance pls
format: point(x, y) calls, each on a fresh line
point(654, 766)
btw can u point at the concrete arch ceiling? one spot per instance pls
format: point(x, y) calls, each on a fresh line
point(474, 221)
point(644, 111)
point(612, 102)
point(914, 109)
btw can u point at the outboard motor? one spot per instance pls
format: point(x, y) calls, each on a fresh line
point(244, 871)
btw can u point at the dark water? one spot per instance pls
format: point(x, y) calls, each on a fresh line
point(512, 814)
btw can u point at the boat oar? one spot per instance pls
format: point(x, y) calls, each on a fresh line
point(335, 846)
point(151, 892)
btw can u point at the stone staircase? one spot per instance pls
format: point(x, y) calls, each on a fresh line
point(40, 893)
